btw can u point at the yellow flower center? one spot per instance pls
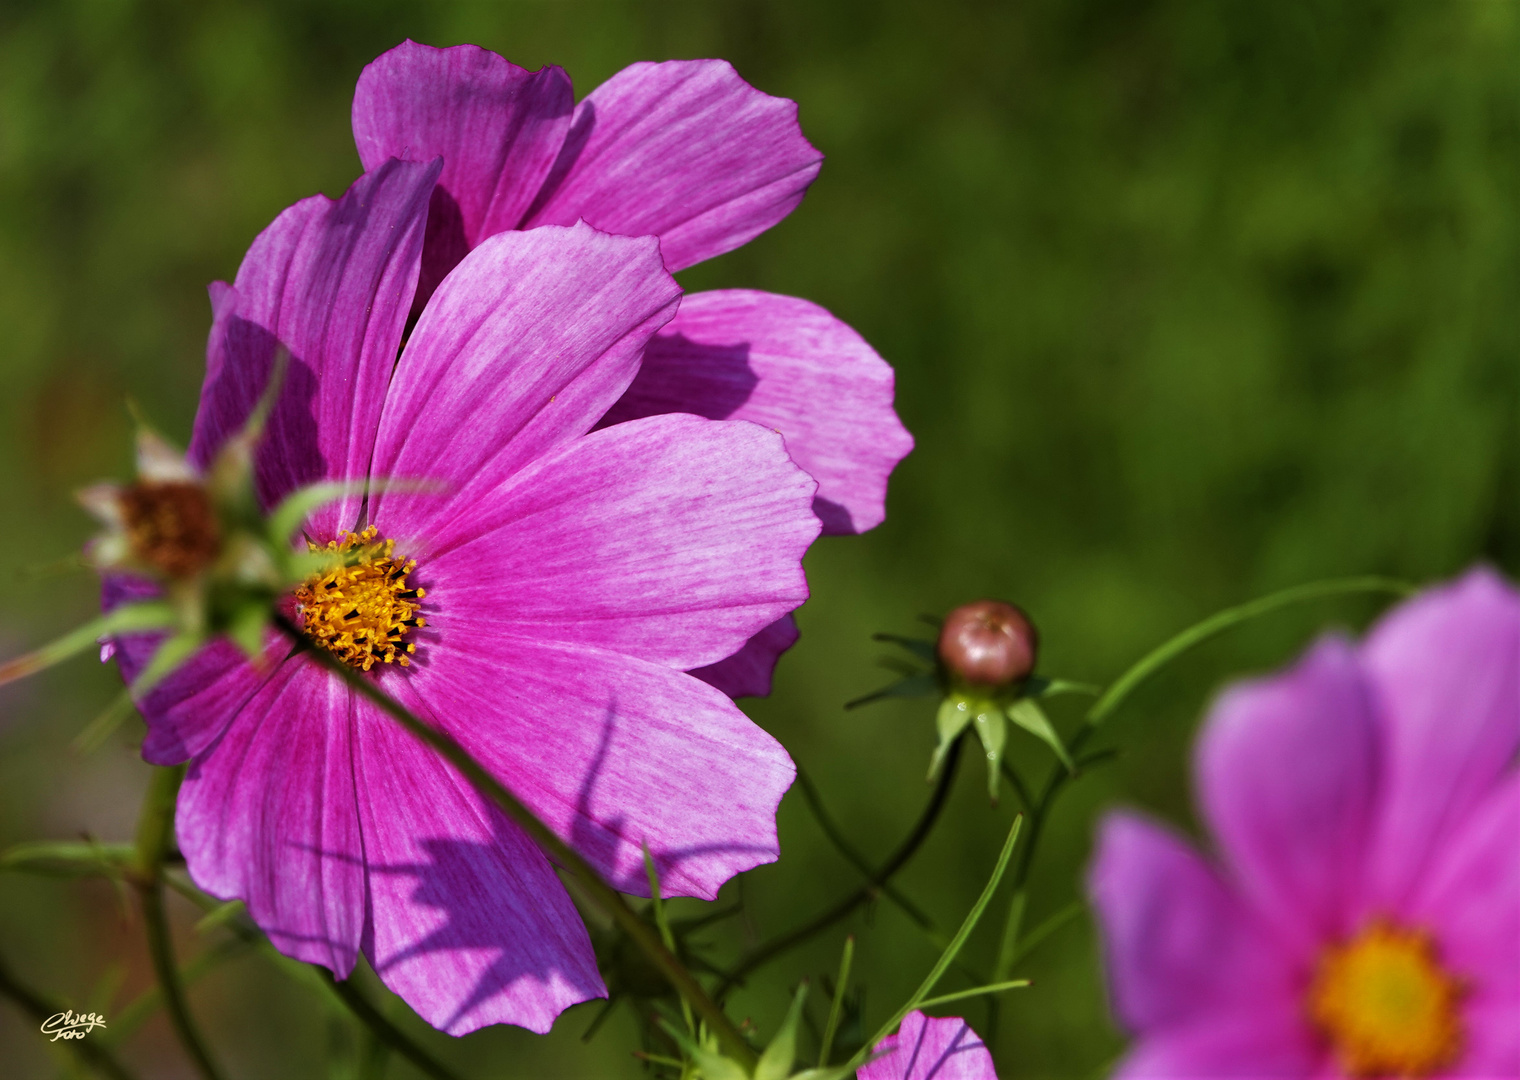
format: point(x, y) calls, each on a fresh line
point(361, 608)
point(1386, 1005)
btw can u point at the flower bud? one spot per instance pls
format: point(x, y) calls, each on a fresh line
point(988, 643)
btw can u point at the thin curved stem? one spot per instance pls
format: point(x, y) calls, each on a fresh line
point(154, 830)
point(92, 1052)
point(1169, 650)
point(585, 876)
point(767, 951)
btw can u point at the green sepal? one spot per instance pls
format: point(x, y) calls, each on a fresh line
point(924, 650)
point(993, 731)
point(711, 1065)
point(1029, 716)
point(776, 1062)
point(953, 716)
point(918, 685)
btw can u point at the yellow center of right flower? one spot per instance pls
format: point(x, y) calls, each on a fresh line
point(1386, 1004)
point(361, 608)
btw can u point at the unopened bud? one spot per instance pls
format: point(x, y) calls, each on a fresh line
point(988, 643)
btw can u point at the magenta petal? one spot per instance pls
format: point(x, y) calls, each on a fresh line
point(747, 673)
point(1178, 945)
point(524, 346)
point(469, 924)
point(268, 816)
point(1253, 1042)
point(1469, 896)
point(191, 707)
point(332, 283)
point(673, 539)
point(497, 127)
point(612, 753)
point(789, 365)
point(1287, 771)
point(684, 150)
point(930, 1048)
point(1445, 668)
point(1491, 1040)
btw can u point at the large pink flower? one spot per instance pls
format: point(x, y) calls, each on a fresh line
point(685, 151)
point(1364, 916)
point(928, 1048)
point(565, 578)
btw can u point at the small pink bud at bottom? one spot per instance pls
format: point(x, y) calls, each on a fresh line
point(988, 643)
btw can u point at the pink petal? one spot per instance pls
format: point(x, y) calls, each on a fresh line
point(1469, 896)
point(747, 673)
point(1287, 774)
point(1446, 671)
point(524, 346)
point(332, 283)
point(1491, 1040)
point(497, 127)
point(1247, 1043)
point(612, 753)
point(192, 706)
point(673, 539)
point(1178, 946)
point(684, 150)
point(789, 365)
point(268, 815)
point(469, 924)
point(928, 1048)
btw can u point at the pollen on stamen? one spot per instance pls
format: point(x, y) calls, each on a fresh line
point(361, 608)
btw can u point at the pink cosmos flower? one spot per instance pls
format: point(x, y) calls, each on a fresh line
point(1363, 918)
point(542, 608)
point(928, 1048)
point(685, 151)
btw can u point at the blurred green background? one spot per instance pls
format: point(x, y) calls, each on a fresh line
point(1188, 301)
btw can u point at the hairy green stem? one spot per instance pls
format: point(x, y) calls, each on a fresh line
point(586, 878)
point(91, 1051)
point(155, 828)
point(768, 950)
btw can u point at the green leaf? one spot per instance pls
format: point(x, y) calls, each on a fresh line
point(953, 716)
point(951, 951)
point(1057, 687)
point(979, 991)
point(776, 1062)
point(711, 1064)
point(912, 686)
point(1029, 716)
point(98, 730)
point(127, 619)
point(836, 1007)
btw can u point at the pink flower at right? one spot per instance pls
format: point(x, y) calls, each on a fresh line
point(1363, 915)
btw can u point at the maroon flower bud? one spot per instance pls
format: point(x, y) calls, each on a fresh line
point(988, 643)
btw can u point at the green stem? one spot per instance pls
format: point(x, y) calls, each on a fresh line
point(91, 1051)
point(948, 956)
point(379, 1025)
point(1010, 945)
point(776, 946)
point(1216, 624)
point(589, 881)
point(155, 828)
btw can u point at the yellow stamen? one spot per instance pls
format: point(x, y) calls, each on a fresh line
point(362, 608)
point(1386, 1004)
